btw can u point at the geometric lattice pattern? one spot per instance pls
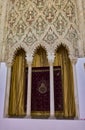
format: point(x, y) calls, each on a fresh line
point(69, 10)
point(50, 37)
point(29, 21)
point(72, 35)
point(30, 38)
point(50, 13)
point(60, 24)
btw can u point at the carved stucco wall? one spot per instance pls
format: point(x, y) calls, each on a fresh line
point(49, 23)
point(3, 4)
point(84, 23)
point(0, 26)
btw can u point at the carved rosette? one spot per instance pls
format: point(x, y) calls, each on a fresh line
point(50, 37)
point(30, 38)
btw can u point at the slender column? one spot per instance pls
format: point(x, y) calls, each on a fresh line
point(7, 89)
point(74, 61)
point(52, 111)
point(29, 91)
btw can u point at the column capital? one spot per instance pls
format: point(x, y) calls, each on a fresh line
point(8, 64)
point(51, 58)
point(29, 59)
point(73, 59)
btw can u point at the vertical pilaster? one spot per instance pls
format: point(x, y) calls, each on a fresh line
point(74, 61)
point(7, 89)
point(52, 107)
point(29, 91)
point(29, 62)
point(52, 111)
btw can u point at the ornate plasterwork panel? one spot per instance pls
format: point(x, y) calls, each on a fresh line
point(59, 3)
point(1, 5)
point(2, 25)
point(30, 38)
point(50, 13)
point(12, 17)
point(11, 38)
point(39, 4)
point(50, 37)
point(73, 37)
point(32, 23)
point(70, 10)
point(20, 28)
point(1, 9)
point(21, 5)
point(30, 15)
point(60, 24)
point(40, 25)
point(84, 23)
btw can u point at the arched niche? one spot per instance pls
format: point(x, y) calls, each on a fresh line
point(18, 86)
point(40, 89)
point(67, 92)
point(40, 58)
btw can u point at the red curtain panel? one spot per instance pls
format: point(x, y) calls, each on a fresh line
point(58, 89)
point(40, 98)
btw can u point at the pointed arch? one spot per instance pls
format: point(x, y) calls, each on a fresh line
point(17, 98)
point(62, 60)
point(68, 46)
point(40, 57)
point(37, 46)
point(12, 52)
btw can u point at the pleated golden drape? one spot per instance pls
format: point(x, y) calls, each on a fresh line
point(61, 59)
point(17, 87)
point(40, 58)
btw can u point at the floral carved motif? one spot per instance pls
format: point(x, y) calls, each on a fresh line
point(50, 13)
point(60, 24)
point(40, 25)
point(21, 5)
point(29, 23)
point(20, 28)
point(72, 35)
point(70, 10)
point(59, 3)
point(30, 15)
point(12, 17)
point(39, 3)
point(11, 38)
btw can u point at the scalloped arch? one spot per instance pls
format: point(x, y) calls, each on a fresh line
point(13, 51)
point(67, 45)
point(34, 48)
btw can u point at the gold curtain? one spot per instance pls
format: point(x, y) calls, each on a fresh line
point(40, 58)
point(61, 59)
point(17, 87)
